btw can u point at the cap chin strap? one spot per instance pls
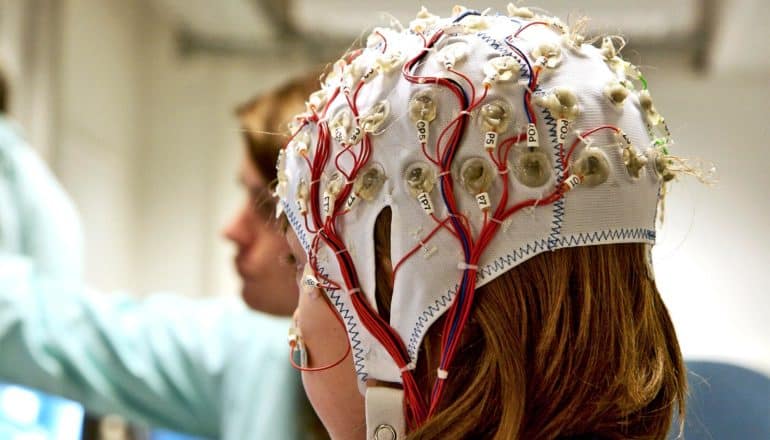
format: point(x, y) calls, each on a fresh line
point(385, 414)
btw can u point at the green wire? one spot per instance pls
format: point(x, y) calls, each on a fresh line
point(661, 143)
point(644, 81)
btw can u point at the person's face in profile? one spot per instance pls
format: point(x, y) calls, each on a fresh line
point(333, 392)
point(263, 260)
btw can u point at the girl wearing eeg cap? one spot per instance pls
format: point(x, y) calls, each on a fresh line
point(509, 175)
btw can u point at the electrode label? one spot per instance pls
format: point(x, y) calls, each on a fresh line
point(482, 199)
point(355, 137)
point(563, 128)
point(425, 203)
point(351, 201)
point(533, 141)
point(490, 140)
point(572, 181)
point(301, 206)
point(327, 203)
point(422, 131)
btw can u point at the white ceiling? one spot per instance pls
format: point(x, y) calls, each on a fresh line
point(648, 18)
point(738, 22)
point(237, 19)
point(243, 19)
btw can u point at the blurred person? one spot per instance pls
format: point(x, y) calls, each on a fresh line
point(210, 367)
point(263, 260)
point(29, 193)
point(474, 199)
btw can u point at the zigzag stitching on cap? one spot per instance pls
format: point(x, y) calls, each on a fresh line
point(299, 229)
point(507, 261)
point(500, 48)
point(558, 206)
point(420, 327)
point(358, 351)
point(535, 247)
point(496, 45)
point(334, 295)
point(556, 222)
point(606, 235)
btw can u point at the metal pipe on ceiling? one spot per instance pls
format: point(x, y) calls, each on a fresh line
point(288, 40)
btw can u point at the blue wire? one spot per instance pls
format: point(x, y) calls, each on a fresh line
point(465, 14)
point(461, 290)
point(463, 238)
point(531, 76)
point(455, 222)
point(455, 322)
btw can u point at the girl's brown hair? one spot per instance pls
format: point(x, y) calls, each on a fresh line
point(571, 344)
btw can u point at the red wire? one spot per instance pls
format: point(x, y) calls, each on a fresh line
point(347, 148)
point(528, 25)
point(371, 320)
point(528, 94)
point(587, 133)
point(467, 80)
point(307, 225)
point(332, 365)
point(443, 224)
point(353, 55)
point(488, 231)
point(423, 242)
point(445, 149)
point(329, 102)
point(454, 121)
point(384, 40)
point(326, 367)
point(424, 146)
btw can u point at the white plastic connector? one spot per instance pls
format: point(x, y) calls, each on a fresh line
point(520, 12)
point(423, 21)
point(374, 117)
point(501, 69)
point(616, 93)
point(317, 100)
point(452, 54)
point(562, 102)
point(547, 55)
point(390, 61)
point(462, 265)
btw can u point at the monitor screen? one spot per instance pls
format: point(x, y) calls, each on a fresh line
point(26, 414)
point(162, 434)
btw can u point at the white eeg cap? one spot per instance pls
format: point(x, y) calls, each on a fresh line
point(607, 190)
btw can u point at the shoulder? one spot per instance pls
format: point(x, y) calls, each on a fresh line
point(11, 135)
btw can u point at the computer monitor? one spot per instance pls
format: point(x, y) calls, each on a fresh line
point(26, 414)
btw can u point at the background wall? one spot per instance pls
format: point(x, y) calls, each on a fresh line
point(138, 124)
point(712, 255)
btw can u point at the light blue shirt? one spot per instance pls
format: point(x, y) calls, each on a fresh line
point(208, 367)
point(37, 218)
